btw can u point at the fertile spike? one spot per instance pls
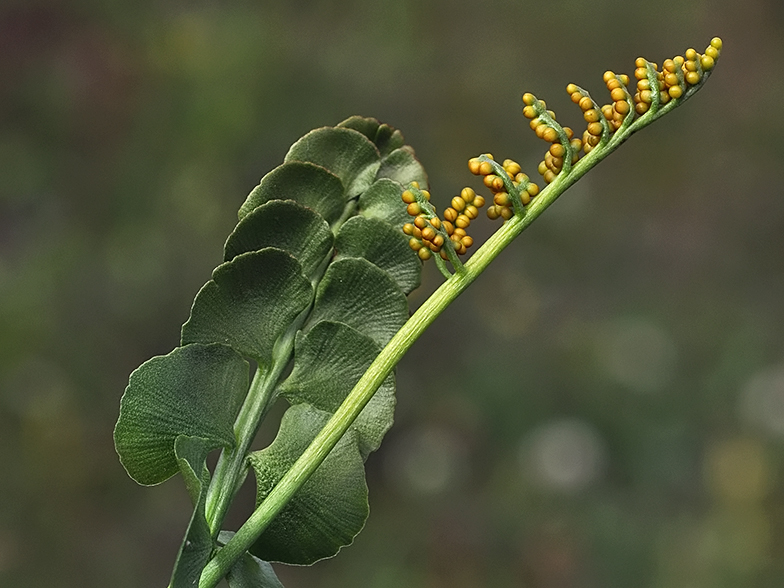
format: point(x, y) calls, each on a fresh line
point(512, 190)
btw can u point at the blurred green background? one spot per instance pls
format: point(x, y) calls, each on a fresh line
point(603, 408)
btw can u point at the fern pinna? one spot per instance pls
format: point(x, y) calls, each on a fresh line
point(312, 293)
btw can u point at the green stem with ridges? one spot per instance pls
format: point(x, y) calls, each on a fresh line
point(653, 83)
point(442, 266)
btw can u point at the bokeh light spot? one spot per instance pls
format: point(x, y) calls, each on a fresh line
point(566, 455)
point(762, 400)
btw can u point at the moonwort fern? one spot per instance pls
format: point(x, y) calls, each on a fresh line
point(312, 292)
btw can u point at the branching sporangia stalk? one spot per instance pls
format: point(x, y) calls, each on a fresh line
point(518, 202)
point(313, 292)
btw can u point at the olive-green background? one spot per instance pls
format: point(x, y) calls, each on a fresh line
point(603, 408)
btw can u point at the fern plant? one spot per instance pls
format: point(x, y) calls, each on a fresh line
point(311, 299)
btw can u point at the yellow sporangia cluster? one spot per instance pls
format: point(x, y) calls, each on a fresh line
point(592, 115)
point(677, 75)
point(554, 158)
point(457, 217)
point(616, 112)
point(427, 231)
point(502, 202)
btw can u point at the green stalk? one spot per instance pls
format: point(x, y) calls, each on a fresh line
point(389, 357)
point(230, 469)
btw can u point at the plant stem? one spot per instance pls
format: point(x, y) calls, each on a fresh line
point(389, 357)
point(229, 470)
point(223, 485)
